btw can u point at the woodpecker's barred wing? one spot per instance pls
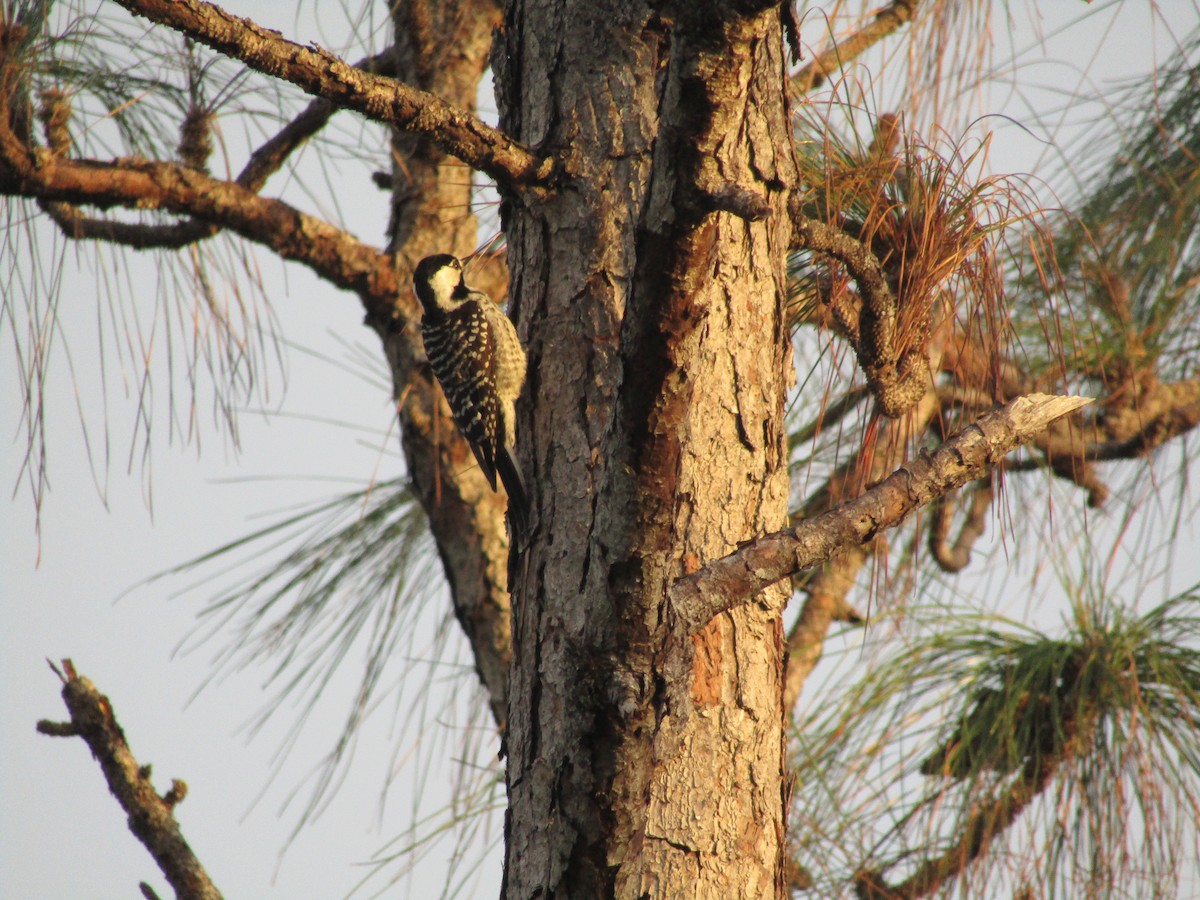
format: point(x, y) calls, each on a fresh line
point(476, 354)
point(460, 350)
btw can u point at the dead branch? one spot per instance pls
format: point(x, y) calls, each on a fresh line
point(735, 579)
point(151, 817)
point(322, 74)
point(886, 21)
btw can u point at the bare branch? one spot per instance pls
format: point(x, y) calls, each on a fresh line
point(137, 184)
point(897, 381)
point(262, 164)
point(266, 160)
point(887, 20)
point(321, 73)
point(733, 580)
point(151, 817)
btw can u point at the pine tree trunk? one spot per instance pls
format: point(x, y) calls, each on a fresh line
point(653, 440)
point(431, 213)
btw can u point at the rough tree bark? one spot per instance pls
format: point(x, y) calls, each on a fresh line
point(654, 443)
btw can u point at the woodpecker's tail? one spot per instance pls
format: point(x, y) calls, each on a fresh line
point(514, 484)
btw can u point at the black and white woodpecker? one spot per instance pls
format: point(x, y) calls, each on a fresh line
point(478, 359)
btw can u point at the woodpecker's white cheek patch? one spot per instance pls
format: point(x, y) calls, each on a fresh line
point(444, 282)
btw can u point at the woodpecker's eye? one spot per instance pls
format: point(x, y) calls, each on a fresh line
point(456, 264)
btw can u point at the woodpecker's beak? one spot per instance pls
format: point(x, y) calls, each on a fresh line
point(467, 261)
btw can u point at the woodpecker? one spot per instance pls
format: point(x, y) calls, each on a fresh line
point(477, 357)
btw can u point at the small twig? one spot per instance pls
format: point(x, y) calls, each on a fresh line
point(955, 557)
point(151, 817)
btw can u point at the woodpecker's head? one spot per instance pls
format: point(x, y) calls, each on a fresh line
point(438, 282)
